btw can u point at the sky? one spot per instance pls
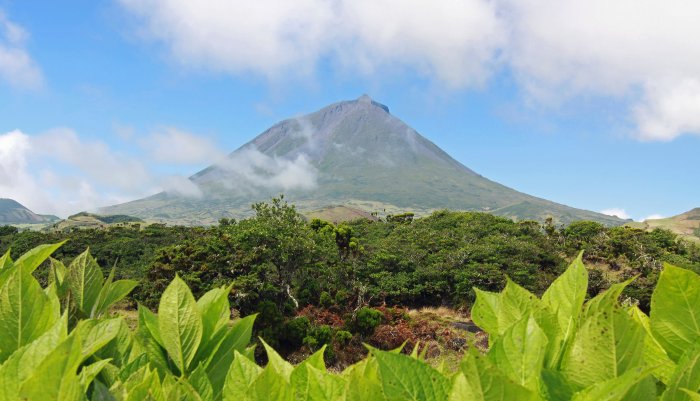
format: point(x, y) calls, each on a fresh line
point(594, 104)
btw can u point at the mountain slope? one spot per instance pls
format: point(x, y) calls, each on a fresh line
point(685, 224)
point(351, 153)
point(12, 212)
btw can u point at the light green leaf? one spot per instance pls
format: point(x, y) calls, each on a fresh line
point(111, 293)
point(519, 353)
point(5, 260)
point(96, 334)
point(89, 372)
point(675, 310)
point(614, 389)
point(180, 323)
point(693, 396)
point(655, 357)
point(405, 378)
point(85, 280)
point(200, 383)
point(362, 381)
point(26, 312)
point(686, 376)
point(220, 358)
point(215, 311)
point(565, 298)
point(35, 257)
point(478, 380)
point(239, 378)
point(148, 321)
point(55, 378)
point(605, 298)
point(607, 345)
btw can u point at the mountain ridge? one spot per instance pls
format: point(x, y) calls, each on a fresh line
point(13, 212)
point(354, 153)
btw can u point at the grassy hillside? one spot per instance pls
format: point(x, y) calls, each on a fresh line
point(686, 225)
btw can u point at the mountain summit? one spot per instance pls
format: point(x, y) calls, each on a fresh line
point(353, 153)
point(12, 212)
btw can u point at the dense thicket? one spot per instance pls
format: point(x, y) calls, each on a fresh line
point(278, 263)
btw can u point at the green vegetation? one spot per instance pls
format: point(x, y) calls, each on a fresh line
point(284, 268)
point(559, 346)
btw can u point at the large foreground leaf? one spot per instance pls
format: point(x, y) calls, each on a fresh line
point(180, 323)
point(675, 310)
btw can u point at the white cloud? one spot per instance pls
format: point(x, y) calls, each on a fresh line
point(639, 52)
point(58, 172)
point(454, 40)
point(627, 49)
point(170, 145)
point(618, 212)
point(653, 217)
point(249, 170)
point(181, 186)
point(17, 67)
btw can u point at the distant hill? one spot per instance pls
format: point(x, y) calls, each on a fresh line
point(353, 153)
point(89, 220)
point(685, 224)
point(12, 213)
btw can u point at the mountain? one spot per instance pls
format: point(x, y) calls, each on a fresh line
point(12, 212)
point(352, 153)
point(686, 224)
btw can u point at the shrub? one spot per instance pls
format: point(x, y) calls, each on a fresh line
point(325, 300)
point(366, 320)
point(343, 337)
point(295, 330)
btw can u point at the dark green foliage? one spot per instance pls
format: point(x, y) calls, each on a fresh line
point(366, 320)
point(295, 330)
point(343, 337)
point(325, 300)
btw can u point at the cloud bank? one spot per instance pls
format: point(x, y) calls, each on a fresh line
point(640, 52)
point(59, 172)
point(17, 68)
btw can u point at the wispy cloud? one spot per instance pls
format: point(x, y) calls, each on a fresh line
point(17, 68)
point(615, 211)
point(639, 53)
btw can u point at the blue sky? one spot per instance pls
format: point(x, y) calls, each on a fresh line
point(107, 101)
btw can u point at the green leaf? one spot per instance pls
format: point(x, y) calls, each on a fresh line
point(692, 396)
point(35, 257)
point(607, 345)
point(148, 321)
point(180, 323)
point(606, 298)
point(363, 381)
point(85, 280)
point(614, 389)
point(215, 311)
point(55, 377)
point(235, 340)
point(96, 334)
point(200, 383)
point(5, 260)
point(478, 380)
point(565, 298)
point(686, 376)
point(26, 312)
point(406, 378)
point(89, 372)
point(655, 357)
point(675, 310)
point(520, 352)
point(111, 293)
point(239, 378)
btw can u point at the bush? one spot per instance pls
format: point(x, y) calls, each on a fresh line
point(366, 320)
point(343, 337)
point(295, 330)
point(325, 300)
